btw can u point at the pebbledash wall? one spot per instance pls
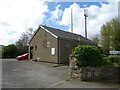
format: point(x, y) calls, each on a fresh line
point(93, 73)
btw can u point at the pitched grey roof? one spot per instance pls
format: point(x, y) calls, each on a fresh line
point(65, 35)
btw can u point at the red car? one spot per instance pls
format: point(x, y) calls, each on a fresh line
point(22, 57)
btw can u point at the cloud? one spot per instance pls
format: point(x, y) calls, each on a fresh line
point(18, 15)
point(56, 14)
point(97, 16)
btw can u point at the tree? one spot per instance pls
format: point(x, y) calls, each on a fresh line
point(10, 51)
point(25, 38)
point(96, 39)
point(21, 46)
point(110, 36)
point(30, 33)
point(105, 38)
point(23, 41)
point(115, 35)
point(1, 51)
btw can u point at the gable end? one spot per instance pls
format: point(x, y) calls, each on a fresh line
point(43, 29)
point(49, 32)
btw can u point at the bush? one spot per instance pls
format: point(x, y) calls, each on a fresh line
point(114, 59)
point(88, 56)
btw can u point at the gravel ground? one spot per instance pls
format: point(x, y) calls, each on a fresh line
point(30, 74)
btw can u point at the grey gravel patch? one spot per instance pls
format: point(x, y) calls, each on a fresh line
point(28, 74)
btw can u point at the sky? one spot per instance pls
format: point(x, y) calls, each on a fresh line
point(17, 16)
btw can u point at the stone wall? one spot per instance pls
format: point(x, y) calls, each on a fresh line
point(74, 71)
point(93, 73)
point(100, 73)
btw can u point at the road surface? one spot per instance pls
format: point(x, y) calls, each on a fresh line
point(30, 74)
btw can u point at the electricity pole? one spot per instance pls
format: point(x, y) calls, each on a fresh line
point(86, 15)
point(71, 21)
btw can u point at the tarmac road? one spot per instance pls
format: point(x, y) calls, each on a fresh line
point(30, 74)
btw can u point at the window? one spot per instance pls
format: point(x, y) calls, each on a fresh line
point(52, 51)
point(35, 48)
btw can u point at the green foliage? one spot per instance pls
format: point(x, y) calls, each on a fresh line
point(110, 36)
point(88, 56)
point(0, 51)
point(21, 46)
point(115, 34)
point(105, 35)
point(12, 51)
point(114, 59)
point(9, 51)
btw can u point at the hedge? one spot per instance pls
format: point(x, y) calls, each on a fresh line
point(88, 56)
